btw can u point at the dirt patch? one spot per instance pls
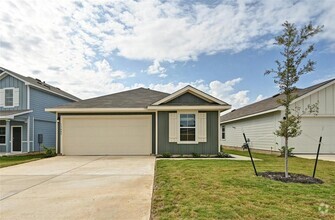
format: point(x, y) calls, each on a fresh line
point(293, 178)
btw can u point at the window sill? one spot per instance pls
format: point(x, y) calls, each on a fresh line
point(187, 142)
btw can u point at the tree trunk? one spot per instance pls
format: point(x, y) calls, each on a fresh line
point(286, 157)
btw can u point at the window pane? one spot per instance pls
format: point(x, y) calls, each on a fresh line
point(8, 97)
point(2, 139)
point(2, 130)
point(183, 120)
point(183, 134)
point(191, 120)
point(191, 134)
point(187, 134)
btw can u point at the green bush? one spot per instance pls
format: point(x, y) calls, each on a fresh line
point(49, 151)
point(290, 151)
point(195, 155)
point(223, 155)
point(167, 155)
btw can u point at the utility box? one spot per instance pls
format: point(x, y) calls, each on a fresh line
point(40, 138)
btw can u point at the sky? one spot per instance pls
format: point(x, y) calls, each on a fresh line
point(92, 48)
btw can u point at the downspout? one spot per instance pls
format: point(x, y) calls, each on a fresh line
point(218, 131)
point(28, 122)
point(156, 130)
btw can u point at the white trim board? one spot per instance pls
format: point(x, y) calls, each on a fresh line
point(252, 115)
point(13, 115)
point(197, 107)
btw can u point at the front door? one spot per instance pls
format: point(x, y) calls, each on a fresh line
point(16, 138)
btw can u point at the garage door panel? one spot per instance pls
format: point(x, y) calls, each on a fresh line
point(107, 135)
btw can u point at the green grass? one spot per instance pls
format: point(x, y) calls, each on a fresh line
point(6, 161)
point(222, 189)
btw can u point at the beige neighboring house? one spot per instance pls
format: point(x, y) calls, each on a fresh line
point(259, 120)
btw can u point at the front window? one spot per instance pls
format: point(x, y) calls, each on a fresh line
point(223, 132)
point(9, 97)
point(2, 135)
point(187, 127)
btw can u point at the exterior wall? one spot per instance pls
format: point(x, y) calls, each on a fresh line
point(43, 122)
point(326, 99)
point(258, 129)
point(10, 81)
point(187, 99)
point(209, 147)
point(312, 128)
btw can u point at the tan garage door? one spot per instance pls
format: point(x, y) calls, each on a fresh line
point(106, 135)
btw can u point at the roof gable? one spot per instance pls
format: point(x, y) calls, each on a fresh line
point(271, 104)
point(189, 94)
point(37, 84)
point(188, 99)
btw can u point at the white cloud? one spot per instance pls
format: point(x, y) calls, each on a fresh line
point(156, 68)
point(69, 43)
point(259, 98)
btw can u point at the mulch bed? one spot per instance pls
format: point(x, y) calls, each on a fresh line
point(293, 178)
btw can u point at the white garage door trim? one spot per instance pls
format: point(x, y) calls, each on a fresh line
point(114, 128)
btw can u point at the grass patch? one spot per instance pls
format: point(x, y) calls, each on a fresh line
point(6, 161)
point(223, 189)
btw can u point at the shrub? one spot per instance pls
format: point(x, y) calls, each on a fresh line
point(195, 155)
point(223, 155)
point(289, 151)
point(166, 155)
point(49, 152)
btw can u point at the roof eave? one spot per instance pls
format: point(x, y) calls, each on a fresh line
point(253, 115)
point(95, 110)
point(189, 107)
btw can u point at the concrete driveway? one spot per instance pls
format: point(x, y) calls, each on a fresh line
point(78, 187)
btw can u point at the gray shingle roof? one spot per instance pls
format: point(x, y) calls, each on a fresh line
point(266, 104)
point(136, 98)
point(42, 85)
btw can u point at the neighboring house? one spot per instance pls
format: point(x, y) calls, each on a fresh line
point(259, 120)
point(141, 122)
point(22, 112)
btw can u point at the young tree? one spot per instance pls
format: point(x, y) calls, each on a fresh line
point(288, 72)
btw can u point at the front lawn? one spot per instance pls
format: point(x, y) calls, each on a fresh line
point(222, 189)
point(6, 161)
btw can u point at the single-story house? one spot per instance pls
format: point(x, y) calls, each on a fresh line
point(24, 124)
point(141, 122)
point(259, 120)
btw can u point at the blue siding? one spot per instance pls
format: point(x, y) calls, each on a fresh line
point(48, 129)
point(10, 81)
point(209, 147)
point(44, 122)
point(40, 100)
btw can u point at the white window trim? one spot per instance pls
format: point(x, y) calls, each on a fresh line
point(8, 106)
point(196, 127)
point(223, 126)
point(4, 126)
